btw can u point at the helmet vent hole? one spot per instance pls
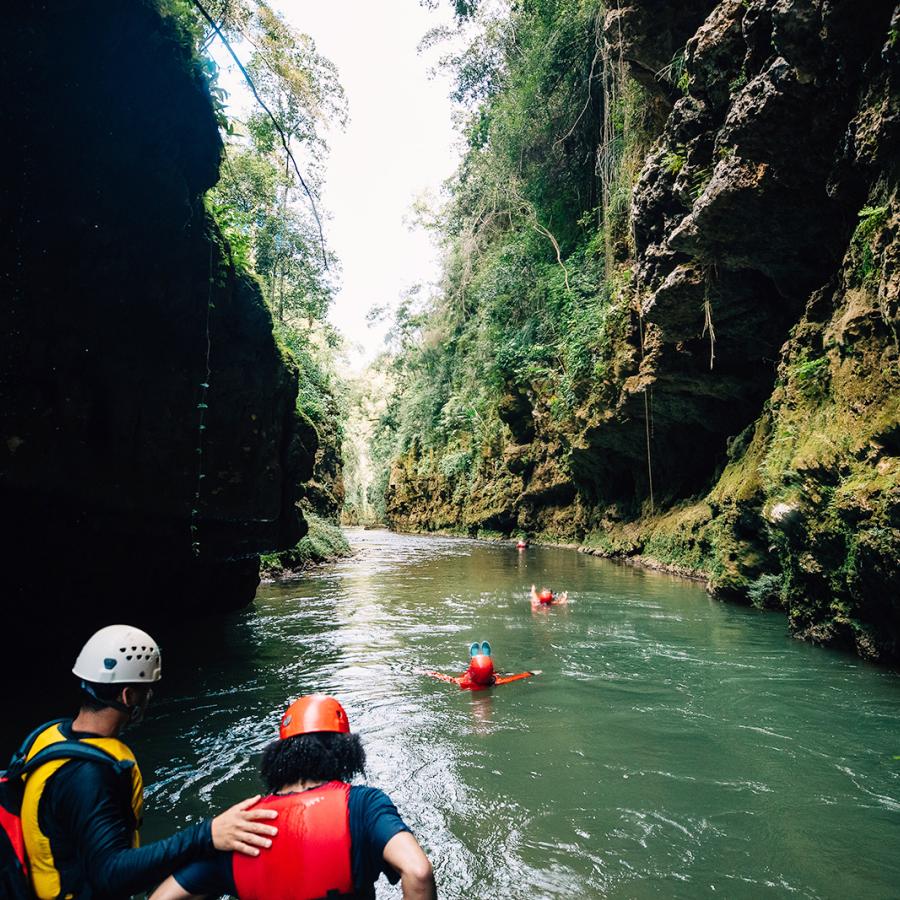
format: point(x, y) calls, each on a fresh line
point(128, 657)
point(121, 649)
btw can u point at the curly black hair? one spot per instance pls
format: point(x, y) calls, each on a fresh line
point(321, 756)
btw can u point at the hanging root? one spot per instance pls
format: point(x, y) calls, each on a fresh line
point(647, 428)
point(707, 317)
point(708, 327)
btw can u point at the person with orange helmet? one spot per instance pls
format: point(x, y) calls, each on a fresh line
point(480, 674)
point(546, 597)
point(335, 839)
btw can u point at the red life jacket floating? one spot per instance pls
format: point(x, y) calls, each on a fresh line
point(310, 857)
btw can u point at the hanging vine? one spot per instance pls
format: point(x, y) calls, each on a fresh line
point(202, 407)
point(708, 328)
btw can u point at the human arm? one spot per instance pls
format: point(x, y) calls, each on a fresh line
point(506, 679)
point(210, 877)
point(534, 595)
point(92, 804)
point(563, 598)
point(450, 679)
point(170, 889)
point(403, 854)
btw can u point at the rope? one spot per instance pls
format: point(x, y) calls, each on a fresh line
point(647, 408)
point(611, 73)
point(202, 407)
point(284, 141)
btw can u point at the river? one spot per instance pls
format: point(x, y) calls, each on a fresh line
point(673, 746)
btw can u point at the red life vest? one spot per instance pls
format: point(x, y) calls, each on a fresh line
point(310, 857)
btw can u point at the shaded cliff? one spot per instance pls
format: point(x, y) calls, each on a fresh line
point(149, 430)
point(320, 498)
point(741, 420)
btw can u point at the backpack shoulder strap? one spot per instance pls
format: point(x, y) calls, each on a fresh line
point(19, 756)
point(69, 750)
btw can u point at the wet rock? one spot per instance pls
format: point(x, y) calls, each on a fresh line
point(515, 412)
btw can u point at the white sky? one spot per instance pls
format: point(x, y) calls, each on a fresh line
point(398, 143)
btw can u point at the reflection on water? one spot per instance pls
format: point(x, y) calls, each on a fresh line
point(672, 746)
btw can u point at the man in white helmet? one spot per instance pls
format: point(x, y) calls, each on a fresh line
point(80, 817)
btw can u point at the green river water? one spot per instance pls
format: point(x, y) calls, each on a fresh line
point(673, 746)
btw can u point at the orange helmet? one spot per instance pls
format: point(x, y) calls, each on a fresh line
point(481, 669)
point(546, 595)
point(315, 712)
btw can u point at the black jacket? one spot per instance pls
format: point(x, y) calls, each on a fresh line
point(86, 813)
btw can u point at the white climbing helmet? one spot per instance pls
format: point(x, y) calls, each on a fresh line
point(119, 654)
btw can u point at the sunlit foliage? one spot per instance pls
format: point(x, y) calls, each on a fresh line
point(525, 303)
point(259, 204)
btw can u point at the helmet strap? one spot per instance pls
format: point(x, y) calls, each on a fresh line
point(115, 704)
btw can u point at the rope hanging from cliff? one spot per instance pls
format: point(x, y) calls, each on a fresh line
point(612, 74)
point(202, 406)
point(284, 141)
point(648, 397)
point(647, 420)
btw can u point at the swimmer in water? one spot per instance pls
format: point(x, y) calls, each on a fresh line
point(480, 674)
point(546, 597)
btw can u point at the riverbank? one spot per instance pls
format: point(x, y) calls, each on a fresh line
point(324, 542)
point(601, 549)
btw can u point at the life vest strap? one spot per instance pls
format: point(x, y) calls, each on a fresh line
point(67, 750)
point(44, 754)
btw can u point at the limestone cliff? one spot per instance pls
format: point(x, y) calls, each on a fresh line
point(150, 443)
point(753, 371)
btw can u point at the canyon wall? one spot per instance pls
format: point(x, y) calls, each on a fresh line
point(746, 426)
point(151, 447)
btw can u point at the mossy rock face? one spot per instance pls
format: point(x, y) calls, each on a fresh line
point(323, 542)
point(742, 418)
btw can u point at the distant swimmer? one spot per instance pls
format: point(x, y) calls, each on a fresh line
point(546, 597)
point(521, 544)
point(480, 674)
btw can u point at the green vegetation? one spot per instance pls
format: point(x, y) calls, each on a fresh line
point(676, 74)
point(323, 542)
point(268, 216)
point(810, 374)
point(534, 243)
point(863, 245)
point(674, 160)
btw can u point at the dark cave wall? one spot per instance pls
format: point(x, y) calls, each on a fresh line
point(117, 289)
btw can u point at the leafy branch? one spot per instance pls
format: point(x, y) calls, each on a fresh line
point(275, 123)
